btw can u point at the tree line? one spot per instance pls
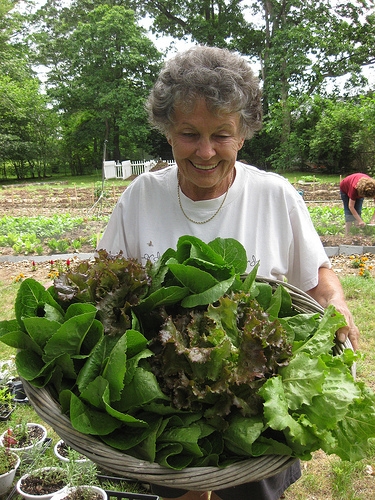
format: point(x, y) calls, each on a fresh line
point(100, 64)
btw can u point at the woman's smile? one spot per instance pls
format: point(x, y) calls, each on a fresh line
point(205, 167)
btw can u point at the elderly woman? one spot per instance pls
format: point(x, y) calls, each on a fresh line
point(207, 102)
point(353, 189)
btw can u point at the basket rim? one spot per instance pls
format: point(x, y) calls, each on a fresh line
point(110, 459)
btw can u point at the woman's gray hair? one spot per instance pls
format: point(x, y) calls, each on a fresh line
point(222, 78)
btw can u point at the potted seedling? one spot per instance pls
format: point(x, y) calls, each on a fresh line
point(41, 476)
point(66, 454)
point(42, 483)
point(23, 438)
point(86, 484)
point(9, 463)
point(8, 372)
point(84, 492)
point(83, 482)
point(6, 403)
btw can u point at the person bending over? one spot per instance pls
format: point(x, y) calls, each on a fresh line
point(353, 189)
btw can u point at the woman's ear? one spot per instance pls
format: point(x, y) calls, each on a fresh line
point(241, 143)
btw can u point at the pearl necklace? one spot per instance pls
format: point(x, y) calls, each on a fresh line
point(212, 216)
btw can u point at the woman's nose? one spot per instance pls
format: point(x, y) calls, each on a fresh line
point(205, 149)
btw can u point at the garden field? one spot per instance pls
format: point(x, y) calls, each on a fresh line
point(61, 216)
point(68, 217)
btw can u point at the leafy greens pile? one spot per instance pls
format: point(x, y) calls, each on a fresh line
point(187, 362)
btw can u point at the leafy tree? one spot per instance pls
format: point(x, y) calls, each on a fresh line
point(10, 26)
point(101, 67)
point(26, 137)
point(344, 136)
point(365, 136)
point(300, 45)
point(25, 133)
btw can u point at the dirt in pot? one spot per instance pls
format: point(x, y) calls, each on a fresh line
point(67, 452)
point(23, 436)
point(83, 494)
point(44, 482)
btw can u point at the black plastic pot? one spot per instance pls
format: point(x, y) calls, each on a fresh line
point(126, 495)
point(5, 413)
point(19, 392)
point(130, 496)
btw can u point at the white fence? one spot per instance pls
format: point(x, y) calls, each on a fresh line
point(127, 168)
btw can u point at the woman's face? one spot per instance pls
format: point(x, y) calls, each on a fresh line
point(205, 148)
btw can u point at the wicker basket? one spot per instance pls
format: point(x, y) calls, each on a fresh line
point(190, 478)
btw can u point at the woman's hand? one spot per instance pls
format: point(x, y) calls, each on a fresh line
point(350, 331)
point(329, 292)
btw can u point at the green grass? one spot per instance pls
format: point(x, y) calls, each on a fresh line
point(64, 181)
point(60, 181)
point(294, 177)
point(360, 293)
point(8, 293)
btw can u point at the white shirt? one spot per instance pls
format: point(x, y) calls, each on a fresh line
point(262, 210)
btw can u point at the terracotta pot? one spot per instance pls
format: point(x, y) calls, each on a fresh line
point(6, 479)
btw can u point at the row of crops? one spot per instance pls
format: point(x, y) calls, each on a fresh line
point(40, 235)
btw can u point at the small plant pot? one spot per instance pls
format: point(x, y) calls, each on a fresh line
point(89, 493)
point(47, 489)
point(19, 392)
point(116, 488)
point(6, 480)
point(5, 412)
point(61, 451)
point(24, 452)
point(7, 404)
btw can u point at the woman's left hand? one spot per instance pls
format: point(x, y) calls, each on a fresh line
point(351, 330)
point(329, 292)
